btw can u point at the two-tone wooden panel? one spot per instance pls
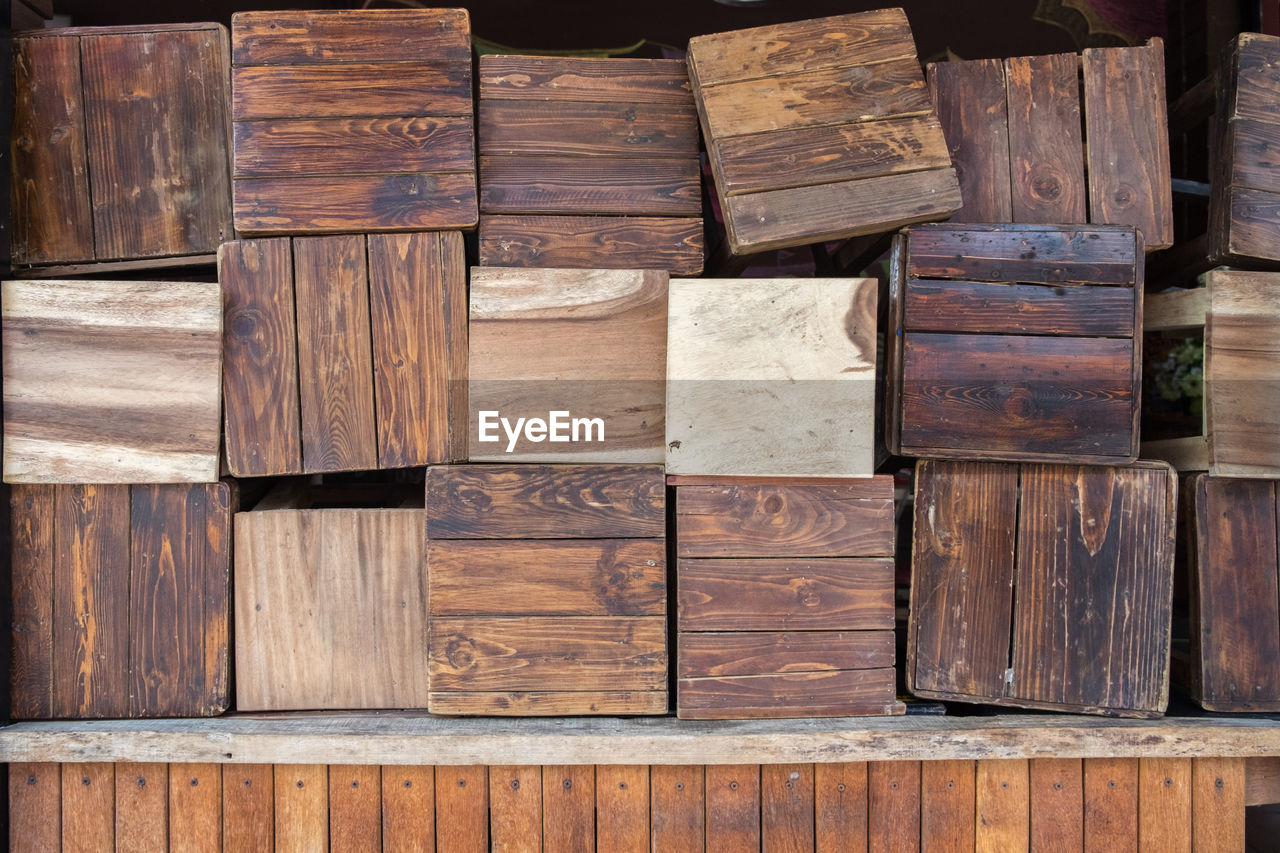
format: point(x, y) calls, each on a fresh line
point(352, 121)
point(588, 163)
point(115, 157)
point(111, 381)
point(1061, 138)
point(819, 130)
point(785, 597)
point(1043, 586)
point(547, 590)
point(329, 590)
point(121, 600)
point(1016, 342)
point(567, 365)
point(344, 353)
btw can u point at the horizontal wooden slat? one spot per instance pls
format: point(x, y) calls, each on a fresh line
point(548, 703)
point(288, 37)
point(967, 306)
point(762, 594)
point(333, 91)
point(336, 204)
point(588, 128)
point(732, 653)
point(620, 577)
point(558, 78)
point(817, 155)
point(1029, 254)
point(809, 694)
point(1255, 154)
point(291, 147)
point(674, 244)
point(612, 185)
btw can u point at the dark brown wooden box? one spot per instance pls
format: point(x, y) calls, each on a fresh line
point(547, 590)
point(1024, 155)
point(1235, 612)
point(344, 353)
point(589, 164)
point(785, 591)
point(1043, 586)
point(1015, 342)
point(121, 147)
point(121, 600)
point(352, 120)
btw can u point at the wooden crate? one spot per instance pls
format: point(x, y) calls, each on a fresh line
point(585, 344)
point(589, 163)
point(119, 161)
point(745, 356)
point(1016, 342)
point(111, 381)
point(1235, 613)
point(329, 591)
point(344, 352)
point(121, 600)
point(1238, 313)
point(819, 130)
point(352, 121)
point(785, 591)
point(547, 589)
point(1043, 586)
point(1024, 155)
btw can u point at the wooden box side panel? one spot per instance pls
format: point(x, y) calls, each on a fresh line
point(973, 110)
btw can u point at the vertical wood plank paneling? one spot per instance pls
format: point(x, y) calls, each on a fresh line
point(88, 808)
point(302, 808)
point(248, 806)
point(568, 808)
point(35, 807)
point(973, 112)
point(622, 808)
point(408, 808)
point(840, 807)
point(786, 807)
point(893, 806)
point(1057, 804)
point(355, 807)
point(1110, 805)
point(1002, 806)
point(462, 809)
point(947, 798)
point(515, 808)
point(31, 516)
point(1217, 804)
point(195, 808)
point(733, 807)
point(142, 807)
point(678, 820)
point(1164, 805)
point(1046, 148)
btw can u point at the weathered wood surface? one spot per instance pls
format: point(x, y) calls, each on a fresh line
point(1061, 138)
point(607, 147)
point(121, 600)
point(1016, 342)
point(111, 382)
point(344, 353)
point(1074, 616)
point(585, 343)
point(329, 609)
point(116, 158)
point(819, 130)
point(352, 121)
point(744, 356)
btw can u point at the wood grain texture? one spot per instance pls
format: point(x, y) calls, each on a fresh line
point(545, 502)
point(893, 806)
point(1057, 803)
point(1127, 128)
point(301, 807)
point(515, 808)
point(840, 807)
point(568, 807)
point(597, 185)
point(973, 111)
point(341, 90)
point(248, 806)
point(600, 131)
point(947, 805)
point(744, 356)
point(462, 808)
point(593, 242)
point(1087, 255)
point(1002, 806)
point(622, 808)
point(335, 369)
point(32, 522)
point(787, 807)
point(548, 703)
point(1217, 797)
point(1031, 309)
point(260, 354)
point(823, 693)
point(1046, 156)
point(300, 37)
point(329, 146)
point(318, 204)
point(677, 801)
point(1164, 804)
point(88, 808)
point(111, 383)
point(748, 652)
point(1110, 804)
point(591, 343)
point(408, 808)
point(733, 806)
point(35, 807)
point(355, 807)
point(195, 807)
point(583, 79)
point(329, 610)
point(142, 807)
point(52, 219)
point(853, 517)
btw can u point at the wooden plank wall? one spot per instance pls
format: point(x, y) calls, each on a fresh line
point(1005, 805)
